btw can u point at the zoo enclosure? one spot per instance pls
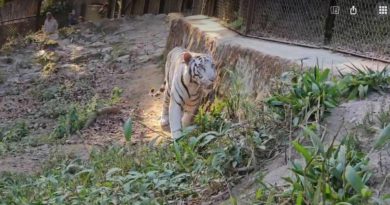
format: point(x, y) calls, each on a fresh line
point(18, 17)
point(310, 23)
point(304, 22)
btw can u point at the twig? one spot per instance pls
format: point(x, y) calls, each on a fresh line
point(151, 129)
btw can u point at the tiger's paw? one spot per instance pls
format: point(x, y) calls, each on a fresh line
point(176, 135)
point(164, 122)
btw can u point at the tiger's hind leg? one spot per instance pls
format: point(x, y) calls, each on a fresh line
point(164, 121)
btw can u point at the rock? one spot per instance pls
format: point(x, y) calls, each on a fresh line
point(123, 59)
point(107, 49)
point(107, 58)
point(97, 44)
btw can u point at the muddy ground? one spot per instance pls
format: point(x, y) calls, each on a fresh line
point(90, 62)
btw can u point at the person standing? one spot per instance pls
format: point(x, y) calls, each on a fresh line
point(51, 26)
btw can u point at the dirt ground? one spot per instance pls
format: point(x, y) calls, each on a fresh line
point(98, 57)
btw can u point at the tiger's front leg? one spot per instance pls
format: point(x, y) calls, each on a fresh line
point(164, 121)
point(189, 115)
point(175, 115)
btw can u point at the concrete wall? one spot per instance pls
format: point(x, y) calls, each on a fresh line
point(205, 35)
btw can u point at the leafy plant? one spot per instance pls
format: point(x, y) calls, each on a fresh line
point(364, 80)
point(128, 129)
point(66, 32)
point(333, 175)
point(310, 95)
point(116, 94)
point(337, 174)
point(15, 133)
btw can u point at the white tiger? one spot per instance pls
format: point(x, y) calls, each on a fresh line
point(188, 78)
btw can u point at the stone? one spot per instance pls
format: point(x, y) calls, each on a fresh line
point(123, 59)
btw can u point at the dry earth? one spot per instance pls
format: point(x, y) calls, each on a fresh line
point(98, 57)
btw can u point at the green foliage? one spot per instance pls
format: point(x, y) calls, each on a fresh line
point(116, 95)
point(55, 7)
point(15, 133)
point(237, 24)
point(337, 174)
point(11, 43)
point(364, 80)
point(128, 129)
point(310, 95)
point(307, 96)
point(383, 138)
point(50, 68)
point(212, 120)
point(66, 32)
point(75, 119)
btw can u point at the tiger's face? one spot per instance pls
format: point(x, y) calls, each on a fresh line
point(202, 71)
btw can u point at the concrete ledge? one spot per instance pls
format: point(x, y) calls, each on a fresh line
point(257, 60)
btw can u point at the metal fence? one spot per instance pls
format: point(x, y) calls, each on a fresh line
point(316, 23)
point(18, 17)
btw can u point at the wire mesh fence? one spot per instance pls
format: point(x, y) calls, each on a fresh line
point(317, 23)
point(367, 32)
point(299, 21)
point(17, 18)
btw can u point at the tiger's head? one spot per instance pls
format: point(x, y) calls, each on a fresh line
point(201, 70)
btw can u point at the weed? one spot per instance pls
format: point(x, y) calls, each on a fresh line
point(116, 94)
point(363, 80)
point(66, 32)
point(384, 116)
point(15, 133)
point(310, 96)
point(237, 24)
point(50, 68)
point(74, 120)
point(338, 174)
point(45, 58)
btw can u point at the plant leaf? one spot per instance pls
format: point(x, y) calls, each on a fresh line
point(316, 141)
point(112, 171)
point(128, 129)
point(354, 179)
point(302, 150)
point(383, 138)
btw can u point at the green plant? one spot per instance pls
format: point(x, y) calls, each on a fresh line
point(364, 80)
point(66, 32)
point(237, 24)
point(384, 116)
point(337, 174)
point(333, 175)
point(116, 95)
point(15, 133)
point(50, 68)
point(210, 120)
point(75, 119)
point(309, 96)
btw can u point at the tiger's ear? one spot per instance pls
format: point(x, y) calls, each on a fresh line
point(187, 57)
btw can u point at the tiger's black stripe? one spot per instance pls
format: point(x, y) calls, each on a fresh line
point(184, 85)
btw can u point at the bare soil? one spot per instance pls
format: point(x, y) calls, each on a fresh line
point(98, 57)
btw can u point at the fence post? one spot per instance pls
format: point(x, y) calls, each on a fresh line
point(38, 14)
point(249, 16)
point(329, 23)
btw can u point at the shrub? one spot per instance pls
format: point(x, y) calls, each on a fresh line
point(310, 94)
point(364, 80)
